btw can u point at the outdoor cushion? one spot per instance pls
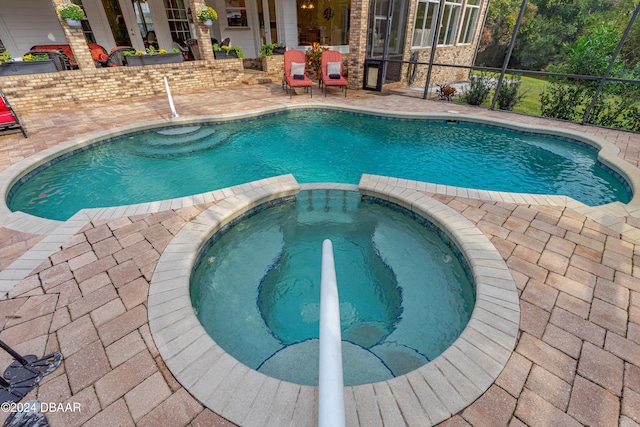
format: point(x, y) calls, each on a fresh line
point(334, 76)
point(298, 76)
point(297, 69)
point(333, 68)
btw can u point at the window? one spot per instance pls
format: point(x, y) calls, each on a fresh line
point(471, 12)
point(236, 11)
point(323, 21)
point(86, 28)
point(450, 17)
point(178, 20)
point(425, 23)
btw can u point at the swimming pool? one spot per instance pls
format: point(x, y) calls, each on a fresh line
point(404, 294)
point(315, 146)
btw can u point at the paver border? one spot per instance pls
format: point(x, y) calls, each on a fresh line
point(432, 393)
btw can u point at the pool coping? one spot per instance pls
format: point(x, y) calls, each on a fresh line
point(433, 392)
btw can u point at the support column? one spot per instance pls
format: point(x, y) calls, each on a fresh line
point(75, 36)
point(202, 31)
point(358, 42)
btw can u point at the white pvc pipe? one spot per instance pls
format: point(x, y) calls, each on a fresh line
point(330, 384)
point(173, 107)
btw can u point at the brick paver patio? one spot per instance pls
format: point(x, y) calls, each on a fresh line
point(577, 360)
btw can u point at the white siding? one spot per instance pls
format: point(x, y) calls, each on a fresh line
point(28, 23)
point(243, 37)
point(289, 22)
point(99, 23)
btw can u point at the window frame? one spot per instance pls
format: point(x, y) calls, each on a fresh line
point(459, 20)
point(468, 26)
point(429, 4)
point(244, 14)
point(178, 17)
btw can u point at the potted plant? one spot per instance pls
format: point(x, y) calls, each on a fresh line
point(72, 13)
point(272, 49)
point(153, 56)
point(279, 48)
point(28, 64)
point(266, 50)
point(446, 92)
point(207, 15)
point(314, 57)
point(224, 52)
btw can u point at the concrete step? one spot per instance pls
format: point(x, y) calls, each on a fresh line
point(255, 77)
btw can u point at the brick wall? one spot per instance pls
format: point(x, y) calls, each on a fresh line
point(41, 92)
point(357, 42)
point(459, 55)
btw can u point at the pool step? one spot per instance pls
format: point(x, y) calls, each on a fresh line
point(163, 145)
point(257, 77)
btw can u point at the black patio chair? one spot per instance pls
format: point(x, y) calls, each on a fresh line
point(193, 47)
point(116, 57)
point(60, 60)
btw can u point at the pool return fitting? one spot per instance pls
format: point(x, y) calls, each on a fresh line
point(330, 377)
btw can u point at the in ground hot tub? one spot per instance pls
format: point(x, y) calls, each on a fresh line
point(430, 393)
point(405, 295)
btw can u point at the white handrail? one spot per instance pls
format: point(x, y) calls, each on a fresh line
point(173, 107)
point(330, 384)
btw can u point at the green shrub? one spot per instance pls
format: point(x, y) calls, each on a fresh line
point(562, 101)
point(509, 94)
point(479, 87)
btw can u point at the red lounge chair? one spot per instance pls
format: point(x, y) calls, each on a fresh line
point(98, 54)
point(8, 119)
point(297, 57)
point(332, 77)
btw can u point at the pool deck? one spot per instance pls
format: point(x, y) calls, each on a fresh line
point(576, 360)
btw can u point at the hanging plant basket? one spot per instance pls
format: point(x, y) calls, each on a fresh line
point(208, 22)
point(73, 23)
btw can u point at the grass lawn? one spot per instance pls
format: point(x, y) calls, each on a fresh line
point(530, 104)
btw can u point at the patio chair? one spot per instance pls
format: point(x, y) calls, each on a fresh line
point(60, 60)
point(193, 47)
point(8, 120)
point(98, 54)
point(116, 57)
point(331, 71)
point(295, 72)
point(63, 48)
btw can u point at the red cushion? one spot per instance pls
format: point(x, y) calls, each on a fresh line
point(299, 83)
point(6, 117)
point(66, 49)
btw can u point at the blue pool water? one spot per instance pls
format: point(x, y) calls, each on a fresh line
point(315, 146)
point(404, 296)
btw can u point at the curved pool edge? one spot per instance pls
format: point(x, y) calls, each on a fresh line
point(607, 153)
point(433, 392)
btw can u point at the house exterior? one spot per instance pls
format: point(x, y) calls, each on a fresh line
point(358, 28)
